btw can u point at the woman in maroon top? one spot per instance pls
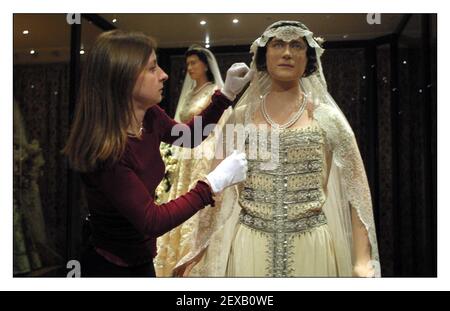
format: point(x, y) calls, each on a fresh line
point(114, 144)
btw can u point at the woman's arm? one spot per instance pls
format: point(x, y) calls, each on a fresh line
point(172, 131)
point(129, 195)
point(238, 75)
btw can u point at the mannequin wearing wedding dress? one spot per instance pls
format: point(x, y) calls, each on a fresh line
point(309, 213)
point(202, 79)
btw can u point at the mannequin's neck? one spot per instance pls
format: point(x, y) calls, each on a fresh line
point(200, 83)
point(283, 92)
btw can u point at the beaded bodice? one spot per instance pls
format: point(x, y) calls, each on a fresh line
point(296, 188)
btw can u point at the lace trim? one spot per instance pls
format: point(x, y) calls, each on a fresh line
point(347, 156)
point(287, 33)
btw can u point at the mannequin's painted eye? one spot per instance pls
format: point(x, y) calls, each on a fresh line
point(298, 45)
point(277, 44)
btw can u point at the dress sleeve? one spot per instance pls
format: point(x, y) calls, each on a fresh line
point(128, 194)
point(210, 115)
point(347, 157)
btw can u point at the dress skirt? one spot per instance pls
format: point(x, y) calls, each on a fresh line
point(307, 254)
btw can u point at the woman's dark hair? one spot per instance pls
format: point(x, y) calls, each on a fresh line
point(105, 109)
point(202, 57)
point(311, 64)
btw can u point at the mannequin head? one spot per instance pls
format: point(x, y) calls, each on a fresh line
point(295, 51)
point(197, 65)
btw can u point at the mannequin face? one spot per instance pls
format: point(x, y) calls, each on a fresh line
point(149, 85)
point(286, 61)
point(196, 68)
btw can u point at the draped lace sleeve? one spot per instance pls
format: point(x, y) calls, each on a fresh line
point(352, 176)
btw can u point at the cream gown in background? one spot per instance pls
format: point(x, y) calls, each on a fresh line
point(177, 242)
point(282, 230)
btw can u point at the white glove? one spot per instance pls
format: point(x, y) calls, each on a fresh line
point(238, 75)
point(232, 170)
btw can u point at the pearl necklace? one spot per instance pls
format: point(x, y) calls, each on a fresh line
point(290, 122)
point(200, 88)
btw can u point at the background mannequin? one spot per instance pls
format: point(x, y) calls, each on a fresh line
point(202, 79)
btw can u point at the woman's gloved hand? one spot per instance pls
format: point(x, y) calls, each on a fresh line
point(238, 75)
point(232, 170)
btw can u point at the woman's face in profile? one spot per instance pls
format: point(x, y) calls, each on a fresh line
point(195, 67)
point(149, 85)
point(286, 61)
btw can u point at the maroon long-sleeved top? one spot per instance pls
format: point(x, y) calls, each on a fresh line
point(125, 220)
